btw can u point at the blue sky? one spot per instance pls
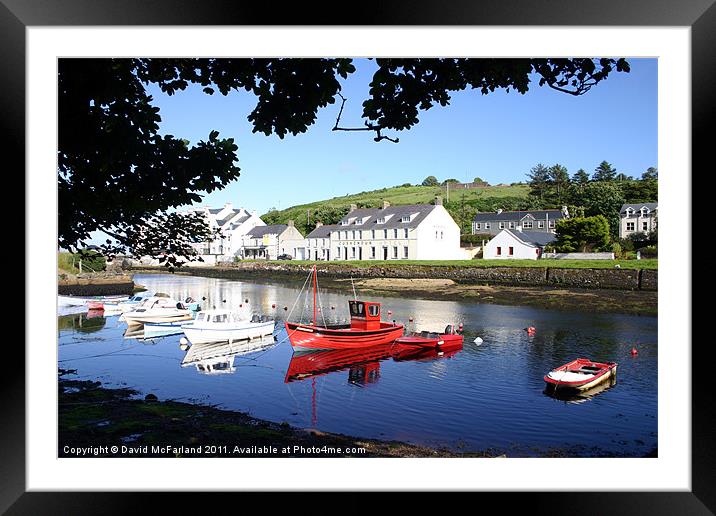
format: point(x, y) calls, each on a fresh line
point(498, 137)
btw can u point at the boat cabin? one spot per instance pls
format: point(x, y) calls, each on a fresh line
point(364, 315)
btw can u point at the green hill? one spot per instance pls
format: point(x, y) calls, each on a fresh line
point(462, 203)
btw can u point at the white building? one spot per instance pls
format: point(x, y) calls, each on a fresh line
point(414, 232)
point(637, 218)
point(530, 220)
point(234, 224)
point(270, 242)
point(318, 242)
point(517, 245)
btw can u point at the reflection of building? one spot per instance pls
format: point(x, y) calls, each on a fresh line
point(218, 357)
point(269, 242)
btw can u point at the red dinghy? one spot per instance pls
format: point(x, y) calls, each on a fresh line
point(365, 329)
point(427, 339)
point(580, 374)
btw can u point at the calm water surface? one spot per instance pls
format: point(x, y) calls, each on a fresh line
point(487, 396)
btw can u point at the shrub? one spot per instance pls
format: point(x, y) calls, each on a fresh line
point(649, 251)
point(617, 250)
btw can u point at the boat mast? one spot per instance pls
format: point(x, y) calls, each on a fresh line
point(314, 294)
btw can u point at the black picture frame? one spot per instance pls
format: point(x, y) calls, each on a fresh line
point(699, 15)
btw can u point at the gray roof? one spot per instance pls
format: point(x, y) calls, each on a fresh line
point(518, 215)
point(373, 214)
point(274, 229)
point(322, 231)
point(240, 221)
point(539, 238)
point(214, 211)
point(636, 207)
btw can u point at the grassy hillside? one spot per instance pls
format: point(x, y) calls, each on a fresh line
point(462, 203)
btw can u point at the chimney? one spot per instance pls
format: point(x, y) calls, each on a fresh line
point(354, 207)
point(438, 200)
point(228, 205)
point(290, 223)
point(386, 204)
point(319, 224)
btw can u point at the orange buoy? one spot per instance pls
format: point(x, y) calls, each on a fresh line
point(531, 329)
point(634, 352)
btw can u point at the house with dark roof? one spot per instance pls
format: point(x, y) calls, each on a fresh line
point(270, 242)
point(318, 241)
point(519, 245)
point(638, 218)
point(527, 220)
point(410, 232)
point(234, 223)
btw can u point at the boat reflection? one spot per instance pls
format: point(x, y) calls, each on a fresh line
point(218, 357)
point(576, 397)
point(82, 322)
point(363, 364)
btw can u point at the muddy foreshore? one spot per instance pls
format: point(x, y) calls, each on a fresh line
point(94, 419)
point(634, 302)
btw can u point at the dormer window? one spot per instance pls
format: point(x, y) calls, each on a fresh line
point(644, 211)
point(344, 223)
point(381, 220)
point(629, 212)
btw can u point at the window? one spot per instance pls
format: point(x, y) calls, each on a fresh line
point(487, 225)
point(527, 224)
point(381, 220)
point(512, 225)
point(478, 225)
point(551, 223)
point(372, 234)
point(405, 218)
point(540, 224)
point(499, 251)
point(405, 252)
point(395, 251)
point(510, 251)
point(372, 252)
point(406, 233)
point(395, 233)
point(374, 310)
point(645, 226)
point(354, 235)
point(630, 226)
point(385, 233)
point(501, 225)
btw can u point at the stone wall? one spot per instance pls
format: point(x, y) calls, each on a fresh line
point(620, 279)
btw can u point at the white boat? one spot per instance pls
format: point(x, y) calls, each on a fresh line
point(134, 301)
point(226, 326)
point(157, 309)
point(162, 329)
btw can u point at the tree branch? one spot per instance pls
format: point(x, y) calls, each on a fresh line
point(368, 125)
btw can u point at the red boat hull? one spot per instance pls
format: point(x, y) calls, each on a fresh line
point(566, 377)
point(311, 338)
point(430, 342)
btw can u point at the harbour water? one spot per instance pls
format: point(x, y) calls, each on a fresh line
point(487, 396)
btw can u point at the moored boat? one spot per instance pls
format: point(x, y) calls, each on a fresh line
point(427, 339)
point(580, 374)
point(157, 309)
point(226, 326)
point(365, 328)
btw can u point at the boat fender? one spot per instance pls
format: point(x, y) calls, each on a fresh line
point(530, 329)
point(246, 301)
point(390, 312)
point(180, 306)
point(285, 308)
point(189, 300)
point(410, 319)
point(478, 340)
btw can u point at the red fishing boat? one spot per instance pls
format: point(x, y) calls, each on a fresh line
point(365, 329)
point(580, 374)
